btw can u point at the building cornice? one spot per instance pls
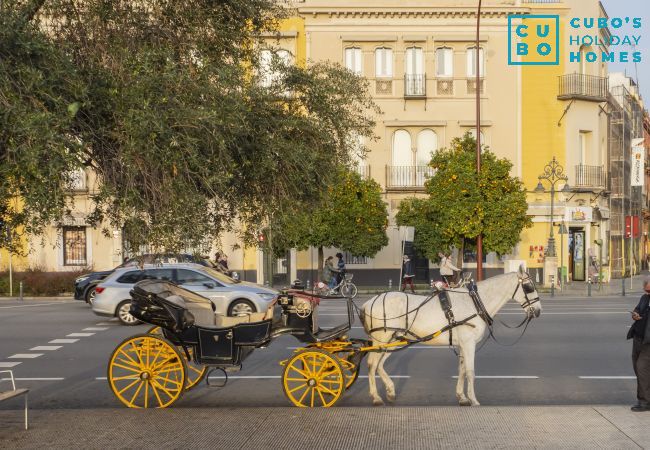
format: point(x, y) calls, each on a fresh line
point(411, 12)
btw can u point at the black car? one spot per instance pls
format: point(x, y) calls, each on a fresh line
point(84, 286)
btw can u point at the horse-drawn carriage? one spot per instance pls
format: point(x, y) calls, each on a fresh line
point(189, 340)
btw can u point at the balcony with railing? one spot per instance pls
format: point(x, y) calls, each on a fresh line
point(415, 85)
point(583, 87)
point(589, 177)
point(407, 177)
point(363, 170)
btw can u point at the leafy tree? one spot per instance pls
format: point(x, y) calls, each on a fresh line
point(164, 101)
point(351, 216)
point(460, 205)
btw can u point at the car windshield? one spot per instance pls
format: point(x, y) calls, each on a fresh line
point(219, 276)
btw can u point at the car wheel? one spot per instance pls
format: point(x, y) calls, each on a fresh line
point(124, 315)
point(241, 307)
point(90, 296)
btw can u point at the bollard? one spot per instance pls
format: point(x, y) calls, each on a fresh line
point(390, 284)
point(623, 285)
point(589, 287)
point(21, 291)
point(307, 287)
point(552, 286)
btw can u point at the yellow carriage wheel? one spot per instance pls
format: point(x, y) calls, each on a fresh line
point(146, 371)
point(313, 378)
point(350, 369)
point(195, 372)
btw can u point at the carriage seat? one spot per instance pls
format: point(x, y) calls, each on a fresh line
point(223, 321)
point(202, 312)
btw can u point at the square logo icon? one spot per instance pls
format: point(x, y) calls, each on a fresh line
point(533, 40)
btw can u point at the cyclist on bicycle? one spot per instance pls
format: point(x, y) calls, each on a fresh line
point(340, 268)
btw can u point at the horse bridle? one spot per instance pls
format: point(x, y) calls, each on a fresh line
point(528, 287)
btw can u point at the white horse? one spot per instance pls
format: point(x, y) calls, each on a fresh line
point(429, 318)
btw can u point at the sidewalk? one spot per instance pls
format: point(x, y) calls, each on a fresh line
point(334, 428)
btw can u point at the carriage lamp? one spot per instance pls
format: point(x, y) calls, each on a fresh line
point(553, 173)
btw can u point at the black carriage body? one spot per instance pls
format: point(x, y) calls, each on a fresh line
point(188, 320)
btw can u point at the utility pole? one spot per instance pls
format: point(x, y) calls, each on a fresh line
point(479, 239)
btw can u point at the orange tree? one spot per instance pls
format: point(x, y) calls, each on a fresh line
point(351, 216)
point(460, 205)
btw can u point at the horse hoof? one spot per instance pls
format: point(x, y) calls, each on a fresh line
point(476, 404)
point(391, 398)
point(464, 403)
point(378, 402)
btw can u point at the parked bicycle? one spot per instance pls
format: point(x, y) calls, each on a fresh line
point(345, 288)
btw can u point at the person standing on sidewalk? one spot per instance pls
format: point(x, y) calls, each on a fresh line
point(640, 336)
point(447, 268)
point(407, 273)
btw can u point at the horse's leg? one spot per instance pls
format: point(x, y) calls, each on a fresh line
point(469, 350)
point(460, 385)
point(388, 383)
point(373, 362)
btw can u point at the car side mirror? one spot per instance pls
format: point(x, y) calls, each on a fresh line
point(235, 276)
point(209, 285)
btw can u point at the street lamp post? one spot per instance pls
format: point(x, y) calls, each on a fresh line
point(553, 173)
point(479, 238)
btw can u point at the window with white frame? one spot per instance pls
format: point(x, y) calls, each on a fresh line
point(472, 133)
point(269, 60)
point(583, 146)
point(353, 60)
point(444, 62)
point(471, 62)
point(414, 61)
point(427, 144)
point(74, 246)
point(383, 62)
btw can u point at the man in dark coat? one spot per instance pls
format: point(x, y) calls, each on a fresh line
point(407, 274)
point(640, 335)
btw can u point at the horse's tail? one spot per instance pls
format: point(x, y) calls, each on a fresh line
point(362, 315)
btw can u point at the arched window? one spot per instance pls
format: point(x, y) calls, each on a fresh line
point(427, 143)
point(472, 132)
point(583, 60)
point(383, 62)
point(471, 62)
point(444, 62)
point(353, 60)
point(402, 168)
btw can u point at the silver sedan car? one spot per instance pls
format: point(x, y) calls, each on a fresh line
point(230, 297)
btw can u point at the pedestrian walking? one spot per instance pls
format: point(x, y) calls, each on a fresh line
point(407, 273)
point(447, 268)
point(329, 271)
point(640, 336)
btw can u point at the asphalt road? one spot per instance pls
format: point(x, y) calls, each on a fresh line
point(574, 354)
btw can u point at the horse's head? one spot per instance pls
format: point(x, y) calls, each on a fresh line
point(526, 293)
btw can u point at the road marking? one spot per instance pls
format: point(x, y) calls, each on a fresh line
point(7, 365)
point(416, 347)
point(505, 377)
point(103, 323)
point(95, 329)
point(33, 379)
point(63, 341)
point(32, 306)
point(25, 355)
point(45, 348)
point(622, 377)
point(79, 334)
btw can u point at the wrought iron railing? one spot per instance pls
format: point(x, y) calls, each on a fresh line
point(401, 177)
point(415, 85)
point(363, 170)
point(590, 176)
point(586, 87)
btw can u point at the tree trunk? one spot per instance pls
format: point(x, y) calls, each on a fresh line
point(321, 257)
point(459, 257)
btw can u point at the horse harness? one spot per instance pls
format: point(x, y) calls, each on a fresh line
point(526, 284)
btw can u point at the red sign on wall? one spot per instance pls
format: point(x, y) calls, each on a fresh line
point(632, 226)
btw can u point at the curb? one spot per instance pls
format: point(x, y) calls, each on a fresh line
point(56, 299)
